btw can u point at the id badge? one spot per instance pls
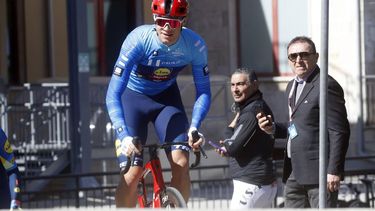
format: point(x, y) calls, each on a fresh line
point(292, 131)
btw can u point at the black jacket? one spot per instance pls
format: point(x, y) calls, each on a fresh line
point(305, 146)
point(249, 148)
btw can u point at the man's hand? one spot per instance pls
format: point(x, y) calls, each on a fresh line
point(222, 151)
point(265, 123)
point(127, 146)
point(333, 182)
point(198, 141)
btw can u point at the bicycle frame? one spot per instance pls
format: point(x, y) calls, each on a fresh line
point(153, 166)
point(162, 196)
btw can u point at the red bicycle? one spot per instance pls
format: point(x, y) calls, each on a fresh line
point(162, 196)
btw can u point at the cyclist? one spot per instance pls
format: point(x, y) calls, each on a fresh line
point(9, 175)
point(143, 89)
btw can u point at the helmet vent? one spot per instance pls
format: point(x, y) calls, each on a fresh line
point(168, 4)
point(181, 10)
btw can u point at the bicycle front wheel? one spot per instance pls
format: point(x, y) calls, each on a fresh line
point(174, 199)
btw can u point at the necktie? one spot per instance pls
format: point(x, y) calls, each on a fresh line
point(299, 87)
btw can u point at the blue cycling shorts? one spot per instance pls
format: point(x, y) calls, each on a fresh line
point(164, 110)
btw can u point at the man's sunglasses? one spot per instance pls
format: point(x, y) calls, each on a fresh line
point(303, 55)
point(173, 23)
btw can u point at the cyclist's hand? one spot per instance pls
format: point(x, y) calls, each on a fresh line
point(15, 205)
point(195, 143)
point(127, 146)
point(333, 182)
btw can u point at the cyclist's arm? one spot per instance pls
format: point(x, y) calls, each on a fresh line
point(202, 84)
point(130, 54)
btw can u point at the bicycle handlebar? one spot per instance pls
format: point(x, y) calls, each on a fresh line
point(197, 154)
point(136, 141)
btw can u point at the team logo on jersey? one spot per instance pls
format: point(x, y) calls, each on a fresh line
point(7, 147)
point(205, 70)
point(162, 74)
point(118, 71)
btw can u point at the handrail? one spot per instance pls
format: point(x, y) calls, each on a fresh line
point(60, 176)
point(73, 193)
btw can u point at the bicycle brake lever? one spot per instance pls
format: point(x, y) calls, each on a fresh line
point(136, 141)
point(196, 136)
point(203, 152)
point(197, 160)
point(131, 158)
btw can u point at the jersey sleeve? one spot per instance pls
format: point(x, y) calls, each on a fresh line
point(201, 81)
point(130, 54)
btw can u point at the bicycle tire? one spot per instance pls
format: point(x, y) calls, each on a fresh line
point(175, 199)
point(357, 203)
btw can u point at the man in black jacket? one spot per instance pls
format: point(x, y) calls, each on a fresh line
point(249, 148)
point(301, 162)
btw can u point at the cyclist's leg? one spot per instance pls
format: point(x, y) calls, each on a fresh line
point(126, 191)
point(171, 125)
point(137, 118)
point(179, 160)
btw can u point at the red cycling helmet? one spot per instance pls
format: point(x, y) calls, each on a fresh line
point(171, 8)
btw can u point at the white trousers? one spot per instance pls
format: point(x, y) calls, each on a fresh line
point(247, 195)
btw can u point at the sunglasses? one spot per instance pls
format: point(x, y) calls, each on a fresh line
point(303, 55)
point(173, 23)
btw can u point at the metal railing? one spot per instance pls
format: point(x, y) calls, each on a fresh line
point(73, 191)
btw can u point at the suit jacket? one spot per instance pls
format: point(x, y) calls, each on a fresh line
point(304, 159)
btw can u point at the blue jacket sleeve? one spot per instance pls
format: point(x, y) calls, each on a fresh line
point(130, 54)
point(202, 83)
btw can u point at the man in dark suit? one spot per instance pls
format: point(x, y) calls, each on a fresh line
point(301, 162)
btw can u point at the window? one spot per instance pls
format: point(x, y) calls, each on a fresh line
point(265, 28)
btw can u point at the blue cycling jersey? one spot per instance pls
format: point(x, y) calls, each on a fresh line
point(6, 153)
point(8, 173)
point(147, 66)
